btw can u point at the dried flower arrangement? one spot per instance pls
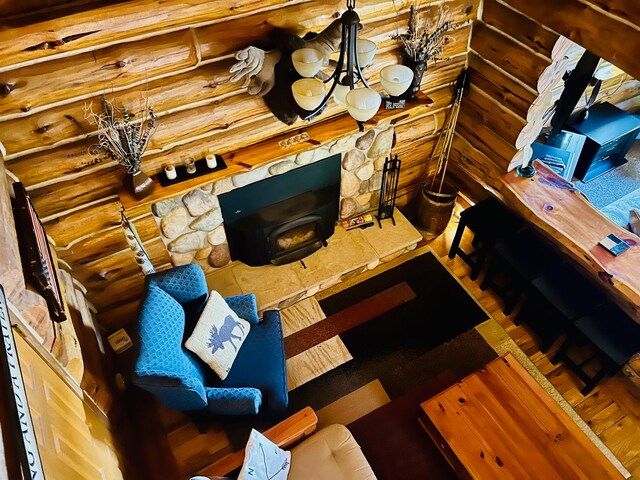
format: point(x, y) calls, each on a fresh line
point(120, 136)
point(419, 44)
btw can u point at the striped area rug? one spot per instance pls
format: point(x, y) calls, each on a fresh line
point(365, 346)
point(390, 332)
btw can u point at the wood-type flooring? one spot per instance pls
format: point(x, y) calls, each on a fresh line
point(612, 409)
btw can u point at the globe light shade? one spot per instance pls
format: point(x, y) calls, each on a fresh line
point(339, 93)
point(307, 61)
point(395, 79)
point(365, 49)
point(308, 93)
point(363, 103)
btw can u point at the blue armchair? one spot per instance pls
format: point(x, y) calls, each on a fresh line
point(171, 305)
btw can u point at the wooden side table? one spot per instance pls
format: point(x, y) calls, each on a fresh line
point(500, 423)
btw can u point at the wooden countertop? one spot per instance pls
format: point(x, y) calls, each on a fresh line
point(559, 210)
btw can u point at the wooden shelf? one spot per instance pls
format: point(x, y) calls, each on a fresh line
point(268, 151)
point(321, 132)
point(162, 193)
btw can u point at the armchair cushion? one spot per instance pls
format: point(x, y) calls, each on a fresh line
point(187, 284)
point(331, 454)
point(262, 364)
point(218, 335)
point(245, 307)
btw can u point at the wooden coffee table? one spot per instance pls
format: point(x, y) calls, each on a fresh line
point(500, 423)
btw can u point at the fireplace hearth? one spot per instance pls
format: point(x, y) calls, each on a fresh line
point(284, 218)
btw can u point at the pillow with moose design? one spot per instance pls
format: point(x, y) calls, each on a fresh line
point(218, 335)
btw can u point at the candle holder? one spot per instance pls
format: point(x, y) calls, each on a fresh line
point(190, 165)
point(201, 169)
point(212, 162)
point(170, 172)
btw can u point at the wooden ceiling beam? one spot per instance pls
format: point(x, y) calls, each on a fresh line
point(506, 53)
point(597, 29)
point(29, 40)
point(45, 85)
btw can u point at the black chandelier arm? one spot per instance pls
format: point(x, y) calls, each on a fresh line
point(357, 70)
point(326, 99)
point(351, 52)
point(335, 76)
point(352, 72)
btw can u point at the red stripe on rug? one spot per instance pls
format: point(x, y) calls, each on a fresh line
point(348, 318)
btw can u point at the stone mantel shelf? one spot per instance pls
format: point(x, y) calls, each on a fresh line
point(267, 151)
point(556, 208)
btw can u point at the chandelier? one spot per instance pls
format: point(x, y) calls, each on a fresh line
point(347, 85)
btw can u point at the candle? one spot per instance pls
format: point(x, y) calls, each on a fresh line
point(170, 172)
point(212, 161)
point(191, 165)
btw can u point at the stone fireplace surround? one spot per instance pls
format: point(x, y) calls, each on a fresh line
point(192, 226)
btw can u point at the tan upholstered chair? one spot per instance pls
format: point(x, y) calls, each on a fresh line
point(329, 454)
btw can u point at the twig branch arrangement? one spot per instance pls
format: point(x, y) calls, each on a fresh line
point(120, 136)
point(425, 38)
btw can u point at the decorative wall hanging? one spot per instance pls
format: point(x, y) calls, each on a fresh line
point(289, 73)
point(124, 138)
point(135, 244)
point(36, 253)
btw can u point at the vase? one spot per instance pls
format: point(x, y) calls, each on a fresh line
point(139, 184)
point(418, 72)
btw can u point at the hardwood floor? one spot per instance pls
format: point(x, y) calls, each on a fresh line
point(612, 409)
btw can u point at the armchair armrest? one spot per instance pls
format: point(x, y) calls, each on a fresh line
point(233, 401)
point(284, 434)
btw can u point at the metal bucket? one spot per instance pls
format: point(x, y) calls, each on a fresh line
point(435, 211)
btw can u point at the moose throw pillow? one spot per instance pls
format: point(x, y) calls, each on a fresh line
point(218, 335)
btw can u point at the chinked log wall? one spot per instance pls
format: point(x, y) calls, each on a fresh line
point(179, 52)
point(516, 60)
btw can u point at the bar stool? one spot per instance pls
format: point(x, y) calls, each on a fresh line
point(615, 338)
point(520, 258)
point(555, 300)
point(488, 220)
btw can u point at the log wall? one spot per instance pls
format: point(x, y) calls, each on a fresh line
point(55, 64)
point(518, 53)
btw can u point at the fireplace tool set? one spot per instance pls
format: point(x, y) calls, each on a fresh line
point(389, 187)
